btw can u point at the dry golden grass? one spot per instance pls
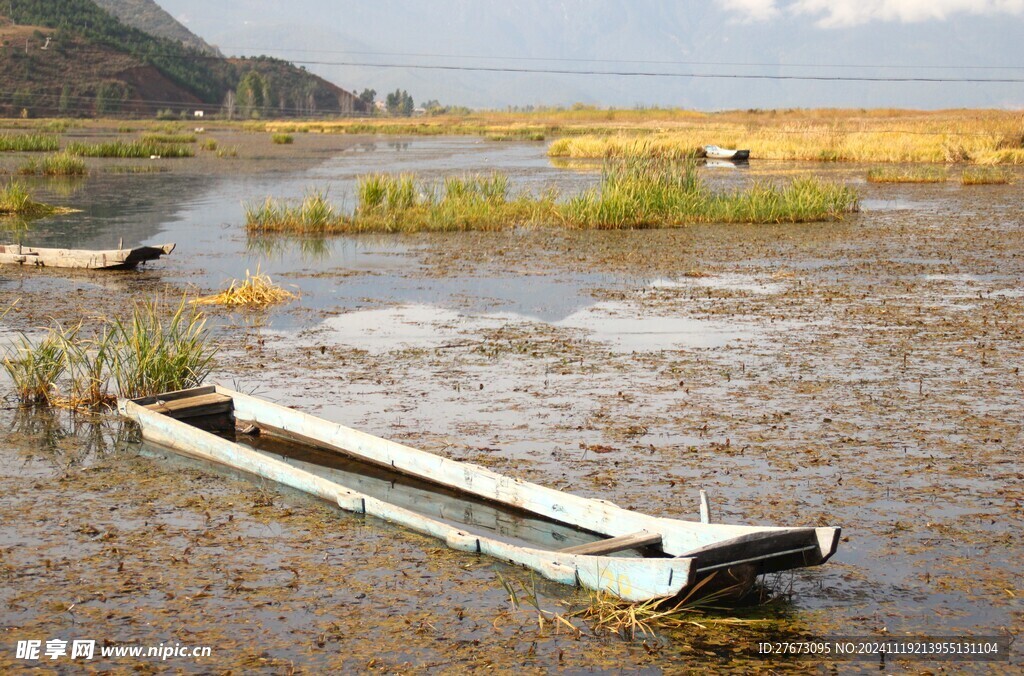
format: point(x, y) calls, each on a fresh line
point(993, 138)
point(609, 614)
point(880, 135)
point(255, 291)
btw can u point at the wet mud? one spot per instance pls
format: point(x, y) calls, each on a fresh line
point(863, 374)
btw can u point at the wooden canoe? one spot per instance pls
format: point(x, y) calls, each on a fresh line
point(634, 556)
point(716, 153)
point(111, 259)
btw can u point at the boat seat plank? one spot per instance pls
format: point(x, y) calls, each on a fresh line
point(617, 544)
point(186, 407)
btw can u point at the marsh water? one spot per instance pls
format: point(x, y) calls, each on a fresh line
point(863, 374)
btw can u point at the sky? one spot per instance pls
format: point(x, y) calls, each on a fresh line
point(840, 13)
point(717, 54)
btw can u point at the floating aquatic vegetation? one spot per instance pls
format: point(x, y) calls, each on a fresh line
point(255, 291)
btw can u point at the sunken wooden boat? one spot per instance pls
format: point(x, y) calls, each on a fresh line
point(716, 153)
point(89, 259)
point(634, 556)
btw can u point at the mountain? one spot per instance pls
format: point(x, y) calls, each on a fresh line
point(150, 18)
point(363, 44)
point(70, 57)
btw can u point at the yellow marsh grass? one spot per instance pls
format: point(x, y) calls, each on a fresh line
point(879, 135)
point(255, 291)
point(905, 141)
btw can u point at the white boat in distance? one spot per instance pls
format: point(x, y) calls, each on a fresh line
point(635, 556)
point(716, 153)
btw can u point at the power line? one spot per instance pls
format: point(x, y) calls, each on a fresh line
point(888, 66)
point(638, 73)
point(625, 73)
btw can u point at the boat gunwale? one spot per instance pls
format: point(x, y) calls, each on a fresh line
point(603, 517)
point(679, 537)
point(629, 578)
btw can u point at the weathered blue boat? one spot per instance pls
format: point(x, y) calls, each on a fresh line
point(634, 556)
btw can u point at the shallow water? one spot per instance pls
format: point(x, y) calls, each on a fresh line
point(864, 374)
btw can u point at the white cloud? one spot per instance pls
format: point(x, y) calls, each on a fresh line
point(835, 13)
point(752, 10)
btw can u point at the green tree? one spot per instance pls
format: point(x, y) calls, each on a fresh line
point(407, 106)
point(64, 104)
point(399, 103)
point(109, 96)
point(252, 94)
point(393, 100)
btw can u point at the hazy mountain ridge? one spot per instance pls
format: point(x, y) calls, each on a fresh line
point(71, 57)
point(150, 18)
point(617, 30)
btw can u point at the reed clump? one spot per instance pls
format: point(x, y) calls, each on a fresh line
point(156, 349)
point(35, 367)
point(131, 149)
point(58, 164)
point(15, 200)
point(903, 174)
point(282, 139)
point(156, 353)
point(639, 191)
point(643, 191)
point(473, 202)
point(137, 169)
point(984, 176)
point(313, 214)
point(255, 291)
point(29, 143)
point(169, 138)
point(89, 364)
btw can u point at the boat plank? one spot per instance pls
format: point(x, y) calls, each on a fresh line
point(203, 404)
point(617, 544)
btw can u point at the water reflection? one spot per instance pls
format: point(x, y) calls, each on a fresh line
point(60, 439)
point(311, 249)
point(13, 229)
point(202, 212)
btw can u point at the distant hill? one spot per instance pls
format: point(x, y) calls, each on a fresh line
point(73, 58)
point(150, 18)
point(343, 37)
